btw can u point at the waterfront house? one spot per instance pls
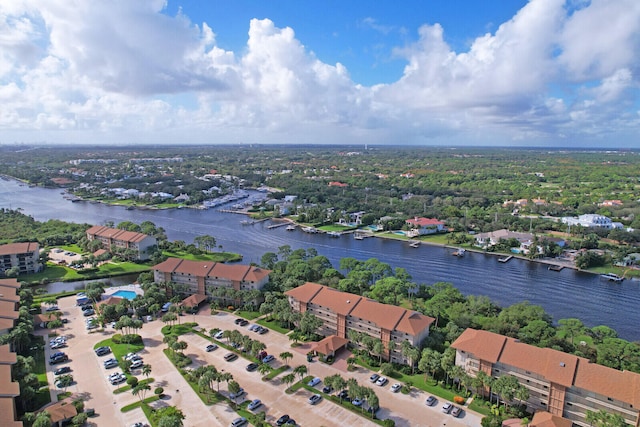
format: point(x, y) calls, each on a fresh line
point(21, 257)
point(200, 277)
point(114, 238)
point(342, 312)
point(421, 226)
point(492, 238)
point(560, 383)
point(591, 221)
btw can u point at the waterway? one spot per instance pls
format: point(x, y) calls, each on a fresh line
point(563, 294)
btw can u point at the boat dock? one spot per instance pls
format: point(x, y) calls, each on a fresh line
point(414, 243)
point(281, 224)
point(505, 259)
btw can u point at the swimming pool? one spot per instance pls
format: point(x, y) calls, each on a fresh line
point(124, 294)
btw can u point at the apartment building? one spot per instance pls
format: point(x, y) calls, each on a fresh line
point(559, 383)
point(341, 312)
point(8, 389)
point(113, 239)
point(23, 256)
point(201, 276)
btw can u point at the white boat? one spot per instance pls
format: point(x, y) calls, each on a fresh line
point(459, 252)
point(414, 244)
point(291, 227)
point(310, 230)
point(334, 233)
point(611, 277)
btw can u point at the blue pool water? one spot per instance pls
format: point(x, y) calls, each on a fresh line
point(124, 294)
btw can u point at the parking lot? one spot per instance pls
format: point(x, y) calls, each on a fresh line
point(92, 384)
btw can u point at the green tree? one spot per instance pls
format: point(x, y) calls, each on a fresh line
point(603, 418)
point(286, 356)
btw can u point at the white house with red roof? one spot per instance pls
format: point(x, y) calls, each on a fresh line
point(421, 226)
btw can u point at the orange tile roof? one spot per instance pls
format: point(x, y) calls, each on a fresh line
point(19, 248)
point(555, 366)
point(193, 300)
point(547, 419)
point(339, 302)
point(111, 300)
point(305, 293)
point(8, 310)
point(482, 344)
point(386, 316)
point(60, 411)
point(8, 388)
point(7, 356)
point(117, 234)
point(8, 413)
point(236, 272)
point(8, 293)
point(329, 345)
point(618, 385)
point(10, 282)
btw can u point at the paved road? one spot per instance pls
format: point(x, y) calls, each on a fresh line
point(92, 385)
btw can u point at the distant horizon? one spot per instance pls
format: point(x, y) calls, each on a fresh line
point(466, 73)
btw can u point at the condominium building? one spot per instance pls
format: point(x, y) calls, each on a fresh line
point(22, 256)
point(9, 389)
point(114, 238)
point(200, 277)
point(341, 312)
point(562, 384)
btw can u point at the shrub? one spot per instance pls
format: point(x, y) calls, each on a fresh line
point(117, 338)
point(388, 423)
point(131, 339)
point(79, 419)
point(158, 391)
point(132, 381)
point(459, 400)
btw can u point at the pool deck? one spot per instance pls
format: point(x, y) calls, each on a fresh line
point(131, 288)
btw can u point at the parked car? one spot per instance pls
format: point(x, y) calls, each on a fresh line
point(243, 322)
point(58, 359)
point(283, 419)
point(52, 308)
point(431, 400)
point(314, 382)
point(119, 379)
point(57, 345)
point(237, 321)
point(315, 399)
point(219, 335)
point(110, 363)
point(230, 356)
point(262, 330)
point(251, 367)
point(373, 409)
point(56, 354)
point(238, 422)
point(327, 389)
point(101, 351)
point(255, 403)
point(381, 381)
point(357, 402)
point(456, 411)
point(88, 313)
point(396, 387)
point(447, 407)
point(211, 347)
point(374, 377)
point(291, 422)
point(253, 327)
point(344, 395)
point(137, 364)
point(240, 392)
point(61, 371)
point(268, 358)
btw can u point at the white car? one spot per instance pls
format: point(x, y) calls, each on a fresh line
point(137, 364)
point(381, 381)
point(396, 387)
point(133, 357)
point(219, 335)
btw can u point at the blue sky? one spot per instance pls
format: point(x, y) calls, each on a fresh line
point(512, 73)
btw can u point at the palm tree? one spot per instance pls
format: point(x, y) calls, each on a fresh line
point(289, 379)
point(43, 419)
point(146, 370)
point(234, 388)
point(286, 356)
point(300, 370)
point(140, 390)
point(264, 368)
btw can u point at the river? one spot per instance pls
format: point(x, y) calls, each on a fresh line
point(563, 294)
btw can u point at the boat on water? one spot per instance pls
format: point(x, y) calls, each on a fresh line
point(460, 252)
point(246, 222)
point(291, 227)
point(555, 267)
point(334, 233)
point(414, 244)
point(611, 277)
point(311, 230)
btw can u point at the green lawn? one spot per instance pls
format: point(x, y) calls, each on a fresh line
point(271, 375)
point(249, 315)
point(213, 257)
point(177, 330)
point(54, 272)
point(138, 403)
point(119, 350)
point(128, 387)
point(273, 324)
point(335, 227)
